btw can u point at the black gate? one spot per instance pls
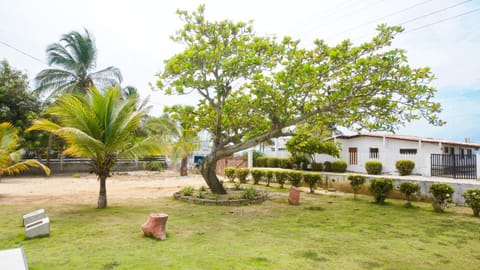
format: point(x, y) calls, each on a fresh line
point(454, 166)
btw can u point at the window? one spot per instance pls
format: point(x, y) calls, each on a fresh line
point(374, 153)
point(445, 150)
point(353, 159)
point(408, 151)
point(462, 153)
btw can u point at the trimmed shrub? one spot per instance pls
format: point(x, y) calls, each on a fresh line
point(339, 166)
point(295, 178)
point(373, 167)
point(260, 162)
point(404, 166)
point(442, 195)
point(409, 189)
point(312, 179)
point(300, 161)
point(273, 162)
point(241, 174)
point(356, 181)
point(327, 166)
point(269, 176)
point(249, 193)
point(187, 191)
point(380, 188)
point(317, 167)
point(155, 166)
point(281, 177)
point(257, 175)
point(472, 198)
point(230, 173)
point(285, 163)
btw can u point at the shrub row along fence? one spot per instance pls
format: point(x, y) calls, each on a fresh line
point(289, 163)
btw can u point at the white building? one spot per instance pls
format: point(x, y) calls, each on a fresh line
point(431, 156)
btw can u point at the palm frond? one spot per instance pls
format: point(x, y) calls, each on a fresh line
point(8, 137)
point(24, 166)
point(147, 147)
point(107, 77)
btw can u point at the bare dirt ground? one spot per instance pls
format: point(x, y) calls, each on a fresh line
point(84, 189)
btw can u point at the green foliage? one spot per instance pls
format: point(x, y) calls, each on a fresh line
point(339, 166)
point(285, 163)
point(269, 176)
point(442, 195)
point(409, 189)
point(472, 198)
point(257, 175)
point(249, 193)
point(203, 189)
point(295, 178)
point(237, 186)
point(300, 161)
point(273, 162)
point(230, 173)
point(380, 188)
point(305, 143)
point(187, 191)
point(74, 59)
point(317, 167)
point(373, 167)
point(253, 87)
point(260, 162)
point(312, 179)
point(156, 166)
point(327, 166)
point(356, 181)
point(241, 174)
point(100, 125)
point(200, 194)
point(281, 177)
point(405, 167)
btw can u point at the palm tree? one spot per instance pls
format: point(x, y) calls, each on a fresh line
point(100, 126)
point(10, 156)
point(75, 56)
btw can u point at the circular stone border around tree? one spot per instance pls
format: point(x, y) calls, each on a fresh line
point(261, 196)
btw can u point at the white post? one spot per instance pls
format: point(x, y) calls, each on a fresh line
point(250, 158)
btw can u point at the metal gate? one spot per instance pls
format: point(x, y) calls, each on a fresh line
point(454, 166)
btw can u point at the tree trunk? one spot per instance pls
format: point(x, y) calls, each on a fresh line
point(208, 168)
point(183, 167)
point(102, 195)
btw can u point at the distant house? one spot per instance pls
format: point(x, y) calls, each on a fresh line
point(432, 157)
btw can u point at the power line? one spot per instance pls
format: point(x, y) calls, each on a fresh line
point(433, 12)
point(442, 20)
point(383, 17)
point(22, 52)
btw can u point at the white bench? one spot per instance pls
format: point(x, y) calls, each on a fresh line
point(13, 259)
point(33, 216)
point(38, 228)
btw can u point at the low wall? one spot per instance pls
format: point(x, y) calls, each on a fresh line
point(459, 186)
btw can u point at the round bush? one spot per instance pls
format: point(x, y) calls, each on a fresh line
point(404, 166)
point(230, 173)
point(285, 163)
point(409, 189)
point(356, 181)
point(472, 198)
point(241, 174)
point(339, 166)
point(442, 195)
point(380, 188)
point(260, 162)
point(269, 176)
point(295, 178)
point(327, 166)
point(257, 175)
point(281, 177)
point(373, 167)
point(312, 179)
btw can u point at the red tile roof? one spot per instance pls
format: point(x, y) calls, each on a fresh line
point(410, 138)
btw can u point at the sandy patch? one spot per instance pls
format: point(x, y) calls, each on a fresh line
point(84, 189)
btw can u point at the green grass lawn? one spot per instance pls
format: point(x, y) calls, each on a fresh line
point(324, 232)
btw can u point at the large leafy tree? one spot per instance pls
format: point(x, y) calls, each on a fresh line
point(18, 105)
point(99, 125)
point(11, 156)
point(75, 60)
point(254, 88)
point(307, 144)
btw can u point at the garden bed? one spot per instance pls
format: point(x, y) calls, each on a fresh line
point(233, 197)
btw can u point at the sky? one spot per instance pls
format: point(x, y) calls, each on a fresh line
point(135, 37)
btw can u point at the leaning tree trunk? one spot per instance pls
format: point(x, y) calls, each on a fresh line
point(208, 167)
point(102, 195)
point(183, 167)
